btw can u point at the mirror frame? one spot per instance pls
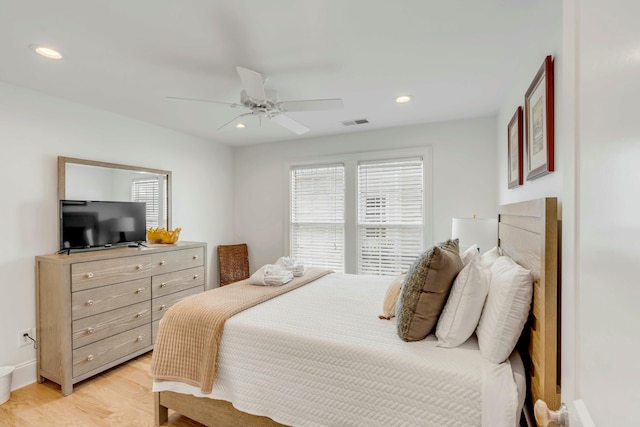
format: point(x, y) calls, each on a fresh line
point(62, 168)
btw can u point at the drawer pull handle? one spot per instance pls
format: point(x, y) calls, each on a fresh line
point(195, 257)
point(162, 285)
point(163, 262)
point(139, 314)
point(90, 330)
point(195, 276)
point(89, 302)
point(139, 290)
point(89, 275)
point(90, 358)
point(162, 307)
point(139, 267)
point(139, 338)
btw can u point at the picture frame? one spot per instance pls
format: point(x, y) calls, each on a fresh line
point(538, 109)
point(514, 149)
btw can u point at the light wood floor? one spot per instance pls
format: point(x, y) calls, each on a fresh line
point(118, 397)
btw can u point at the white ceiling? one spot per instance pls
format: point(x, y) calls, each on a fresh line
point(454, 57)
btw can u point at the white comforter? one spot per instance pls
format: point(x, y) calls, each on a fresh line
point(319, 356)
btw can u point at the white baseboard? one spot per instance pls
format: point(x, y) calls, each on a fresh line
point(24, 374)
point(583, 413)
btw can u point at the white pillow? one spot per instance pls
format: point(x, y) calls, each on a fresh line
point(489, 257)
point(469, 254)
point(505, 310)
point(460, 315)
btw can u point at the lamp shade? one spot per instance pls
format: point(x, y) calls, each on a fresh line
point(480, 231)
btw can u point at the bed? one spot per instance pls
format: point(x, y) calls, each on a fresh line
point(338, 364)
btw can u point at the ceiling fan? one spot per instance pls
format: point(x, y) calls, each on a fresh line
point(263, 102)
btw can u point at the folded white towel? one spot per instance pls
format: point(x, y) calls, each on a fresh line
point(286, 262)
point(271, 275)
point(296, 267)
point(275, 275)
point(298, 270)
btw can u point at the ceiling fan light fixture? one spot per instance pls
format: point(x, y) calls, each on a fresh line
point(403, 99)
point(262, 103)
point(45, 51)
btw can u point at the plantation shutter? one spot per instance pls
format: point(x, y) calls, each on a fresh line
point(317, 216)
point(390, 215)
point(146, 190)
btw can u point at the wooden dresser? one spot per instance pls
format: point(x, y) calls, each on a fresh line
point(101, 308)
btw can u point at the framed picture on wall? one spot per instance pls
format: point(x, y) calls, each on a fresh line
point(514, 149)
point(538, 111)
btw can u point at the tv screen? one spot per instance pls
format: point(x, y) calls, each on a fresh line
point(95, 224)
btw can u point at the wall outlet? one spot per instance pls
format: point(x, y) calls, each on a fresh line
point(24, 340)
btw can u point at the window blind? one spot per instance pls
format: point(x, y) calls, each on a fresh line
point(317, 216)
point(390, 215)
point(146, 190)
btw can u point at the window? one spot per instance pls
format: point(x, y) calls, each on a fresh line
point(146, 190)
point(317, 216)
point(390, 215)
point(367, 214)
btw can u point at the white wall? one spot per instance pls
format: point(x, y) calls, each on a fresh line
point(34, 130)
point(545, 38)
point(606, 377)
point(464, 177)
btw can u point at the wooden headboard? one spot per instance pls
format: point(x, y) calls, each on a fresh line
point(528, 233)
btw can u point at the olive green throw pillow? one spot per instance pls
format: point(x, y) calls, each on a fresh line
point(425, 290)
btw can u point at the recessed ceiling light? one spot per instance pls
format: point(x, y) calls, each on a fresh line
point(47, 52)
point(240, 126)
point(403, 99)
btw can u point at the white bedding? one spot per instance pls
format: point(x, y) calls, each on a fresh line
point(319, 356)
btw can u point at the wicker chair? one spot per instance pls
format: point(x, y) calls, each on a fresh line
point(233, 263)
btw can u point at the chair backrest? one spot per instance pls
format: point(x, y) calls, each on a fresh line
point(233, 263)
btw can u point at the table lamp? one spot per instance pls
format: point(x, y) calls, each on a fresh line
point(480, 231)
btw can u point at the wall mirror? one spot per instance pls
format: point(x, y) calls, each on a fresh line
point(80, 179)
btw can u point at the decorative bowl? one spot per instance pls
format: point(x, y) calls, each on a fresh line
point(161, 235)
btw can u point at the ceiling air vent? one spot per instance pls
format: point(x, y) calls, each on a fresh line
point(355, 122)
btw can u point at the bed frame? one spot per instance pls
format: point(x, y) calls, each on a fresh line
point(528, 233)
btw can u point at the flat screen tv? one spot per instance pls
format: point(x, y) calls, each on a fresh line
point(98, 224)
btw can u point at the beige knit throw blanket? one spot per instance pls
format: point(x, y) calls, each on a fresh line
point(190, 332)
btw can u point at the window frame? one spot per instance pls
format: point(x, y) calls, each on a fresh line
point(350, 161)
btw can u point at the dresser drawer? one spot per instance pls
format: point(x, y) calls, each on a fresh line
point(169, 283)
point(94, 328)
point(92, 274)
point(98, 300)
point(160, 305)
point(177, 260)
point(102, 352)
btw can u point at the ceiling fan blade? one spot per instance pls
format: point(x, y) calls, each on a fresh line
point(312, 105)
point(233, 105)
point(252, 83)
point(289, 123)
point(234, 119)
